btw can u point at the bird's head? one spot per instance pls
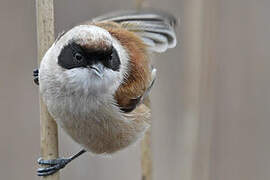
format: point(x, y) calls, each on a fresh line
point(87, 58)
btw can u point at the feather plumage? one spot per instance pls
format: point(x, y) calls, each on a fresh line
point(155, 28)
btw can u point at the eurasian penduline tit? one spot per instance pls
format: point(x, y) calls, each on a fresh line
point(95, 78)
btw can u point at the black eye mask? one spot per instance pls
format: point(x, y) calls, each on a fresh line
point(74, 56)
point(112, 60)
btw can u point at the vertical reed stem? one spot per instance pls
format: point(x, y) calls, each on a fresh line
point(45, 38)
point(146, 159)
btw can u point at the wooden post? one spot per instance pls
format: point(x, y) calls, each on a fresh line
point(45, 38)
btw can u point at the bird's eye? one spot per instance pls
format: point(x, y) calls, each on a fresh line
point(78, 57)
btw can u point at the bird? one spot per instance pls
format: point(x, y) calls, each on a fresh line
point(95, 80)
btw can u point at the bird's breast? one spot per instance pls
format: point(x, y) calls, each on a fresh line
point(97, 125)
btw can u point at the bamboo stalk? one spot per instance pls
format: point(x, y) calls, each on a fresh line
point(45, 38)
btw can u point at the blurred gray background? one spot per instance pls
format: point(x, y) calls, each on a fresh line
point(210, 102)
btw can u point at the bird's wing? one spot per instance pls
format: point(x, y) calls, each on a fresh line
point(133, 103)
point(155, 28)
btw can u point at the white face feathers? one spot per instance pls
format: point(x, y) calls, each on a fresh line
point(87, 58)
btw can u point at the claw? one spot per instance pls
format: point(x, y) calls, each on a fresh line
point(35, 74)
point(47, 162)
point(48, 169)
point(35, 71)
point(45, 173)
point(54, 166)
point(36, 80)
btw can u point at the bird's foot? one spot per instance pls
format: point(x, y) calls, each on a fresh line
point(35, 74)
point(54, 165)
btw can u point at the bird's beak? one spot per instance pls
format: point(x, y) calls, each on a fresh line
point(98, 69)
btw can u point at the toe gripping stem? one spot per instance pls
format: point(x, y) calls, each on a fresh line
point(55, 165)
point(35, 75)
